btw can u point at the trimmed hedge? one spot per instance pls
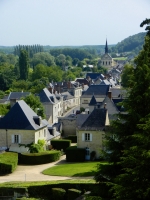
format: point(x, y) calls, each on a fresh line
point(8, 162)
point(73, 138)
point(58, 193)
point(74, 154)
point(44, 189)
point(61, 144)
point(39, 158)
point(73, 194)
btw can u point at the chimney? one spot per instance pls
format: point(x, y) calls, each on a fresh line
point(110, 94)
point(69, 84)
point(51, 90)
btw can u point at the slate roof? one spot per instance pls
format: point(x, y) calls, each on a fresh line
point(81, 119)
point(18, 95)
point(116, 92)
point(97, 90)
point(83, 81)
point(95, 75)
point(111, 107)
point(46, 97)
point(96, 119)
point(93, 101)
point(67, 95)
point(105, 82)
point(20, 117)
point(116, 102)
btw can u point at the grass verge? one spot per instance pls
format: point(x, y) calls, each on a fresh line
point(73, 169)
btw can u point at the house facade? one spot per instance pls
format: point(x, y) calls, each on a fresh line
point(52, 105)
point(99, 91)
point(21, 125)
point(92, 132)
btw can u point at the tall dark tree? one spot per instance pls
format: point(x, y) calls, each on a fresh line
point(24, 65)
point(128, 143)
point(146, 22)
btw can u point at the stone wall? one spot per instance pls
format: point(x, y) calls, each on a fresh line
point(68, 125)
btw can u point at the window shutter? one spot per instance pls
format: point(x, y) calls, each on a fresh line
point(12, 139)
point(83, 137)
point(19, 138)
point(91, 137)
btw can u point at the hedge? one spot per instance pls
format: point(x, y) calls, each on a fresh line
point(44, 190)
point(39, 158)
point(73, 194)
point(60, 144)
point(74, 154)
point(58, 193)
point(73, 138)
point(8, 162)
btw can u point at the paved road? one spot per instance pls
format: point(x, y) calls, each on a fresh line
point(34, 173)
point(72, 111)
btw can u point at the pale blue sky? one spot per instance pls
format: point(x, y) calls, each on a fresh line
point(70, 22)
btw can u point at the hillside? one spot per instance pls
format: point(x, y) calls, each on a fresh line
point(132, 43)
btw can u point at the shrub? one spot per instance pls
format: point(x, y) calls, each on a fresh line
point(93, 198)
point(61, 144)
point(73, 138)
point(73, 194)
point(74, 154)
point(39, 158)
point(8, 162)
point(58, 193)
point(37, 148)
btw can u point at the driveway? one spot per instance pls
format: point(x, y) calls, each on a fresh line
point(34, 173)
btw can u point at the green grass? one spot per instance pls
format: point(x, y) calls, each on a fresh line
point(120, 58)
point(74, 169)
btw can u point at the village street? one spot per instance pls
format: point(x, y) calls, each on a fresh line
point(34, 173)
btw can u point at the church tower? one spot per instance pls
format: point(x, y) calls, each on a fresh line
point(106, 60)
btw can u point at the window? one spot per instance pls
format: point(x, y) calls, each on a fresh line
point(16, 139)
point(87, 137)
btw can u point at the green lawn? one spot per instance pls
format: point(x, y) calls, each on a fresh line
point(73, 169)
point(120, 58)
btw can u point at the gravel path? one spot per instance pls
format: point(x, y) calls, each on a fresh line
point(34, 173)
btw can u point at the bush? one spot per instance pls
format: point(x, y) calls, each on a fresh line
point(39, 158)
point(93, 198)
point(73, 138)
point(37, 148)
point(61, 144)
point(58, 193)
point(8, 162)
point(74, 154)
point(73, 194)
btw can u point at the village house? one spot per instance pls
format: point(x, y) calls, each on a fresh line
point(52, 105)
point(99, 91)
point(91, 132)
point(21, 125)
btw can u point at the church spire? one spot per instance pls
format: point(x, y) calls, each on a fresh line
point(106, 47)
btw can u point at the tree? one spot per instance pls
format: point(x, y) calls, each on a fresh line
point(126, 77)
point(128, 143)
point(35, 104)
point(146, 22)
point(24, 65)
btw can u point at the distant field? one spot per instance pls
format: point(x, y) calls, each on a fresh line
point(120, 58)
point(73, 169)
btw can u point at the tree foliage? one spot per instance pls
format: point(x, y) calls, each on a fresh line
point(128, 143)
point(35, 104)
point(24, 65)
